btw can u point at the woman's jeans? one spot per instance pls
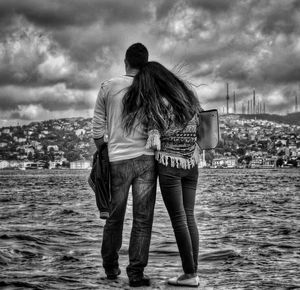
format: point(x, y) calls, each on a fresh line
point(141, 174)
point(178, 188)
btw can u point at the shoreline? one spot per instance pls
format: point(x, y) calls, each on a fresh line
point(201, 168)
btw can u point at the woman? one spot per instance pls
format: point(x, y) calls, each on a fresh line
point(161, 101)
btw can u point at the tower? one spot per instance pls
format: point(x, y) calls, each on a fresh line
point(234, 105)
point(254, 107)
point(227, 99)
point(260, 107)
point(296, 103)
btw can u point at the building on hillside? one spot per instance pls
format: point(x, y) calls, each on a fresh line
point(256, 162)
point(22, 156)
point(4, 164)
point(52, 164)
point(79, 132)
point(202, 163)
point(80, 164)
point(228, 162)
point(28, 132)
point(54, 147)
point(20, 139)
point(29, 150)
point(14, 163)
point(270, 162)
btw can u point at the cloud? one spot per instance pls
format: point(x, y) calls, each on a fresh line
point(280, 17)
point(54, 54)
point(57, 14)
point(30, 112)
point(217, 6)
point(32, 58)
point(53, 98)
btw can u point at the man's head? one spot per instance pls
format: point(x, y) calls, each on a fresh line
point(136, 56)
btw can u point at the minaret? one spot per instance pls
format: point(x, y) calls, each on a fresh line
point(254, 107)
point(296, 103)
point(260, 107)
point(264, 107)
point(251, 107)
point(234, 105)
point(248, 108)
point(227, 99)
point(243, 109)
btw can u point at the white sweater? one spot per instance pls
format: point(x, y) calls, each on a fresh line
point(108, 120)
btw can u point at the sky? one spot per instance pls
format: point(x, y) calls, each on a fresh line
point(54, 54)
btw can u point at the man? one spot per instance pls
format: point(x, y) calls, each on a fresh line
point(131, 164)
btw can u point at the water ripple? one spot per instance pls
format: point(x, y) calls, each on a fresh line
point(248, 220)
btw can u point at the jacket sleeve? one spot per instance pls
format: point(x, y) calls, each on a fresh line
point(99, 119)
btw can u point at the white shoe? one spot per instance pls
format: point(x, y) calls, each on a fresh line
point(189, 282)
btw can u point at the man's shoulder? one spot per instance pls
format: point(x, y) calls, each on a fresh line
point(116, 81)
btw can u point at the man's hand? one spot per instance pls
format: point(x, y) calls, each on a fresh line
point(99, 142)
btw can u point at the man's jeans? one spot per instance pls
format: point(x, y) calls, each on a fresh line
point(178, 188)
point(141, 174)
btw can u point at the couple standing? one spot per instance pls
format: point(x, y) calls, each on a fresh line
point(150, 117)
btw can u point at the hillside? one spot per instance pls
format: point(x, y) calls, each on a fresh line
point(291, 119)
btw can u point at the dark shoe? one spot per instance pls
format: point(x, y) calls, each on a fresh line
point(144, 281)
point(112, 275)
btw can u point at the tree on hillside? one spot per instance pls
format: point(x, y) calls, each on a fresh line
point(248, 159)
point(279, 162)
point(209, 156)
point(241, 151)
point(73, 156)
point(30, 156)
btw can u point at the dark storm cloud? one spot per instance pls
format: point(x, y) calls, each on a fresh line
point(164, 7)
point(80, 27)
point(281, 68)
point(214, 6)
point(33, 79)
point(249, 44)
point(281, 17)
point(51, 99)
point(54, 53)
point(234, 69)
point(20, 116)
point(56, 13)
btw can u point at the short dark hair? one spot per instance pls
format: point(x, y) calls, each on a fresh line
point(137, 55)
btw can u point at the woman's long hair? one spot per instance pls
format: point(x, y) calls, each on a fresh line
point(145, 99)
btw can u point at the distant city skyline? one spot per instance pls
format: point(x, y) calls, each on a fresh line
point(54, 55)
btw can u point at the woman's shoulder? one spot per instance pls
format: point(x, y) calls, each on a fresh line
point(175, 129)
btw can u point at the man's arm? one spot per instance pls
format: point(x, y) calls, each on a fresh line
point(99, 119)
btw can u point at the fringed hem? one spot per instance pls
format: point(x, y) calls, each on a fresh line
point(176, 161)
point(153, 141)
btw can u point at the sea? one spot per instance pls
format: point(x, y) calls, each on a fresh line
point(248, 221)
